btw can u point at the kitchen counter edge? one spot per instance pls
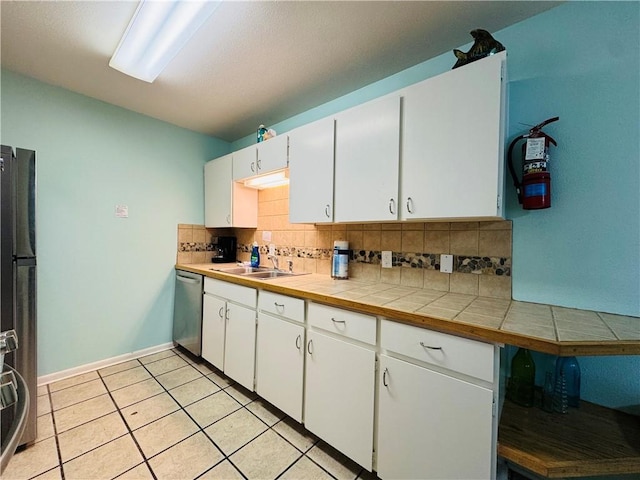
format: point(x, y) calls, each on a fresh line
point(454, 327)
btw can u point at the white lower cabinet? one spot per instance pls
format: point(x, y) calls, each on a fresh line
point(280, 352)
point(280, 364)
point(229, 329)
point(339, 395)
point(434, 423)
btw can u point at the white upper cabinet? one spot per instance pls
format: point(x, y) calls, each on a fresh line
point(227, 203)
point(261, 158)
point(311, 172)
point(245, 163)
point(217, 192)
point(273, 154)
point(453, 142)
point(367, 153)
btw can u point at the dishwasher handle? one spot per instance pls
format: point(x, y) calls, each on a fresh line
point(187, 279)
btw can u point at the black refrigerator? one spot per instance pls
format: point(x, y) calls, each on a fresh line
point(18, 272)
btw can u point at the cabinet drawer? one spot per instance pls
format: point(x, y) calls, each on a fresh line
point(232, 292)
point(282, 305)
point(458, 354)
point(350, 324)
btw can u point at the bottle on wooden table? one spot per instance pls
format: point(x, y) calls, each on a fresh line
point(520, 388)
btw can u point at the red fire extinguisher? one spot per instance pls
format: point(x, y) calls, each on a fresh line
point(534, 191)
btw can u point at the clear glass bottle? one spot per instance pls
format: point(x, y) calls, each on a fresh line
point(560, 400)
point(569, 368)
point(547, 392)
point(521, 385)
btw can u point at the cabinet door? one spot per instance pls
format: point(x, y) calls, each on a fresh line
point(245, 163)
point(213, 330)
point(240, 344)
point(367, 162)
point(279, 364)
point(339, 395)
point(452, 144)
point(311, 172)
point(217, 192)
point(432, 426)
point(272, 154)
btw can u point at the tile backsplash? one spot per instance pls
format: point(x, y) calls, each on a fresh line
point(481, 250)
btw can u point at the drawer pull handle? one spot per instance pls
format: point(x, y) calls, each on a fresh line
point(220, 312)
point(327, 212)
point(279, 306)
point(429, 347)
point(309, 351)
point(384, 377)
point(337, 321)
point(298, 342)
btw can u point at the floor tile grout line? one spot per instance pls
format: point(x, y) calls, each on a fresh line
point(130, 433)
point(200, 428)
point(55, 436)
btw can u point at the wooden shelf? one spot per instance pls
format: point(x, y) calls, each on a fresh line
point(590, 440)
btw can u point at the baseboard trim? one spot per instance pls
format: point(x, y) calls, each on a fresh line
point(90, 367)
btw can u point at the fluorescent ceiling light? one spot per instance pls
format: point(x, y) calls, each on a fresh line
point(270, 180)
point(157, 32)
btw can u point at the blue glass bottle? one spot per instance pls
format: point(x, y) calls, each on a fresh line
point(568, 368)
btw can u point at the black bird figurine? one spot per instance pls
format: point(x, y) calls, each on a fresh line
point(483, 46)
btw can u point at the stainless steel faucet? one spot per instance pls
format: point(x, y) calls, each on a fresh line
point(274, 260)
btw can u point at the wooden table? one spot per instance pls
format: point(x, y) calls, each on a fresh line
point(590, 440)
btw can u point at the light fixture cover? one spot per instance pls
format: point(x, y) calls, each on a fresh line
point(156, 33)
point(269, 180)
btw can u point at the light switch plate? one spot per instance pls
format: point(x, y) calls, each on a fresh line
point(446, 263)
point(386, 259)
point(266, 236)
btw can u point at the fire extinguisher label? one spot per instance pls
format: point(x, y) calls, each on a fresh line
point(535, 149)
point(535, 190)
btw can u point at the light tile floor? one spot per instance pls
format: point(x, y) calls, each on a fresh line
point(169, 416)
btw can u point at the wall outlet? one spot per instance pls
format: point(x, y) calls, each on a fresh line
point(446, 263)
point(266, 236)
point(386, 259)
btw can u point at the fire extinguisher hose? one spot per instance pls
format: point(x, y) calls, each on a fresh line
point(514, 176)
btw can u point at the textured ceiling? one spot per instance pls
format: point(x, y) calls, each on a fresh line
point(252, 62)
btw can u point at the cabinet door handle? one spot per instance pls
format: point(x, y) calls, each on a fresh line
point(253, 166)
point(229, 219)
point(409, 205)
point(337, 321)
point(220, 311)
point(392, 206)
point(259, 164)
point(309, 343)
point(327, 211)
point(384, 377)
point(279, 306)
point(422, 344)
point(298, 342)
point(227, 315)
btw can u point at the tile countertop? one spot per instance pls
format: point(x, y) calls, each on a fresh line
point(544, 328)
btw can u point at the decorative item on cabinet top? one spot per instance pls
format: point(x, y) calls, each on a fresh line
point(483, 46)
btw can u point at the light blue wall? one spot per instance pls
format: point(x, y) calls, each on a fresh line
point(580, 61)
point(105, 284)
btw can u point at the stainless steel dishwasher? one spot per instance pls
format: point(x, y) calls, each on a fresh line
point(187, 311)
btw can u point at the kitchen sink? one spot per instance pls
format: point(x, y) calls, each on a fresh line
point(242, 270)
point(263, 273)
point(271, 274)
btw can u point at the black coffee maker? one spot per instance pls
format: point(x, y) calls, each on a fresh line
point(224, 249)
